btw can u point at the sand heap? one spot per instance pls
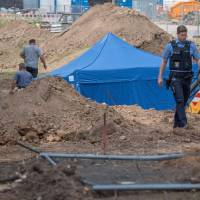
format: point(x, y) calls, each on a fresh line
point(38, 180)
point(50, 110)
point(126, 23)
point(13, 36)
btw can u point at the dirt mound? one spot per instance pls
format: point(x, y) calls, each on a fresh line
point(135, 28)
point(38, 180)
point(126, 23)
point(13, 36)
point(156, 126)
point(50, 110)
point(188, 166)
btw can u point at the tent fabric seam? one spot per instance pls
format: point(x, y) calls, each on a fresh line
point(95, 57)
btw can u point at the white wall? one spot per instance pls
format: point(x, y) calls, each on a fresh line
point(48, 5)
point(168, 3)
point(63, 5)
point(27, 4)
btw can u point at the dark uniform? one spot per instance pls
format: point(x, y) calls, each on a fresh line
point(180, 56)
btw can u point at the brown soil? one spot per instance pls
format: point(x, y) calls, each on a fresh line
point(51, 115)
point(50, 111)
point(36, 179)
point(136, 29)
point(13, 36)
point(93, 25)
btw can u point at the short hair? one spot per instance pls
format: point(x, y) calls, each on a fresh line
point(32, 41)
point(181, 29)
point(22, 66)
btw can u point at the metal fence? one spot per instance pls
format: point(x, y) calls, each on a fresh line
point(67, 14)
point(160, 15)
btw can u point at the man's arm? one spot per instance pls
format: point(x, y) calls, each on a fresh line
point(14, 82)
point(165, 55)
point(162, 69)
point(42, 58)
point(22, 54)
point(13, 85)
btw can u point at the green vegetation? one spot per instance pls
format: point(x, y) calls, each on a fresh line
point(3, 22)
point(6, 75)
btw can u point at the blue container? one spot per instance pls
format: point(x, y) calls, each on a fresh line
point(79, 6)
point(160, 2)
point(30, 4)
point(125, 3)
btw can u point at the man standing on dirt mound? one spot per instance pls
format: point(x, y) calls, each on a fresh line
point(31, 54)
point(180, 53)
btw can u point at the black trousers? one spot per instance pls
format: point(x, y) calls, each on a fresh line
point(181, 90)
point(33, 71)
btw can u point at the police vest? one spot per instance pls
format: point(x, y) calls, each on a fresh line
point(181, 60)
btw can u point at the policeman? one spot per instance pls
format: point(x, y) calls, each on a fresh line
point(180, 53)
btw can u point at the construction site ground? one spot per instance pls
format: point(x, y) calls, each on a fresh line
point(51, 116)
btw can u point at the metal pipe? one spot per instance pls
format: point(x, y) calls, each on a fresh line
point(163, 186)
point(29, 147)
point(116, 157)
point(50, 160)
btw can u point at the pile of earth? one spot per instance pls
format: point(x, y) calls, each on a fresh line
point(126, 23)
point(14, 35)
point(162, 123)
point(36, 179)
point(50, 110)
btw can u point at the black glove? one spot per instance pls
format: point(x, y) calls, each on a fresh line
point(168, 83)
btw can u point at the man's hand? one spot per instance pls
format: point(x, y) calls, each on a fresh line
point(45, 67)
point(42, 58)
point(160, 81)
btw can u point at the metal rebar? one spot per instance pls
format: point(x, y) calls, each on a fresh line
point(116, 157)
point(104, 135)
point(158, 186)
point(29, 147)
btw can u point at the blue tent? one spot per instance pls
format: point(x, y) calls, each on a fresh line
point(114, 72)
